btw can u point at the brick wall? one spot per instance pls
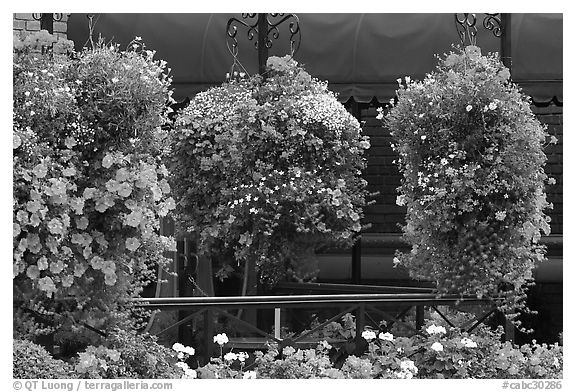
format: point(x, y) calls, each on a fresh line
point(25, 23)
point(383, 176)
point(552, 117)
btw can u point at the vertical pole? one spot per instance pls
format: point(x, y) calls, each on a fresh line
point(360, 319)
point(360, 343)
point(357, 261)
point(506, 40)
point(277, 322)
point(262, 38)
point(419, 317)
point(357, 247)
point(208, 334)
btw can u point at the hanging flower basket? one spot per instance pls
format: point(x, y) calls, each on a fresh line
point(471, 154)
point(268, 169)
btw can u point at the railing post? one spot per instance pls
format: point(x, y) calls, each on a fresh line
point(419, 317)
point(208, 334)
point(277, 323)
point(360, 319)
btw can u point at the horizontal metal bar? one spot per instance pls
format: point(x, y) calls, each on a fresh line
point(304, 300)
point(351, 288)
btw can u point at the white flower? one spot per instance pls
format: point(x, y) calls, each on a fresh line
point(492, 105)
point(369, 335)
point(249, 374)
point(190, 373)
point(423, 137)
point(437, 347)
point(386, 336)
point(468, 343)
point(189, 350)
point(468, 108)
point(242, 356)
point(221, 339)
point(230, 357)
point(178, 347)
point(501, 215)
point(433, 329)
point(408, 366)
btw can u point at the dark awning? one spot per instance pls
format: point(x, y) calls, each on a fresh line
point(361, 55)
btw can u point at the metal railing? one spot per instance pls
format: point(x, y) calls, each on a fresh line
point(391, 307)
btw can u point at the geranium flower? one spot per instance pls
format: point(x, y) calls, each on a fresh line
point(368, 335)
point(467, 342)
point(230, 357)
point(249, 374)
point(386, 336)
point(433, 330)
point(437, 347)
point(221, 339)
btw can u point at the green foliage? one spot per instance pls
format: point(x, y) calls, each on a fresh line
point(128, 355)
point(89, 186)
point(269, 170)
point(31, 360)
point(471, 154)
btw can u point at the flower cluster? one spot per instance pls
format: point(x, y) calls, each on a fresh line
point(265, 168)
point(471, 154)
point(87, 203)
point(126, 354)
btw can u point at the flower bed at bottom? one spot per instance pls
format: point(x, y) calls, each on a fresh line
point(437, 352)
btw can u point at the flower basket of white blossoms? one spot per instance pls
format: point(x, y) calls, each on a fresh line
point(471, 154)
point(268, 169)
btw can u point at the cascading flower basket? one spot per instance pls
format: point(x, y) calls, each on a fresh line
point(471, 154)
point(88, 183)
point(267, 170)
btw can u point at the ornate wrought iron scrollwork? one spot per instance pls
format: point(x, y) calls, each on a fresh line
point(263, 27)
point(293, 27)
point(57, 17)
point(493, 23)
point(272, 32)
point(232, 32)
point(466, 28)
